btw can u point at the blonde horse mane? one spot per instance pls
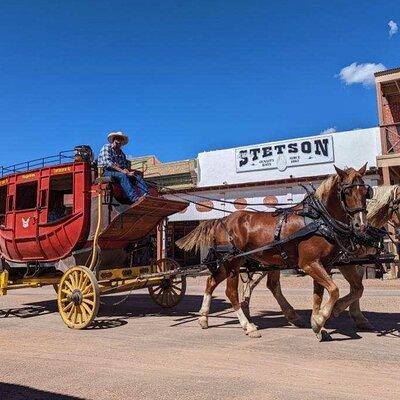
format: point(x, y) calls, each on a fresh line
point(377, 207)
point(326, 186)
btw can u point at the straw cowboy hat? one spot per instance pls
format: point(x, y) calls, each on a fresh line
point(111, 136)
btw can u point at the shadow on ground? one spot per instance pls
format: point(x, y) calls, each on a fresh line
point(19, 392)
point(138, 305)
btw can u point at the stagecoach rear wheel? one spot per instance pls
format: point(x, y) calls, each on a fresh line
point(78, 297)
point(172, 288)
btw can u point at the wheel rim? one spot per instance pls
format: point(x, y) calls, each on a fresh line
point(172, 288)
point(78, 297)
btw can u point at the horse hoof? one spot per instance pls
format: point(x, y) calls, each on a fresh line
point(253, 334)
point(252, 331)
point(324, 336)
point(203, 322)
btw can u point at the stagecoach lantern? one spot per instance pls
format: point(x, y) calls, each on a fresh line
point(84, 153)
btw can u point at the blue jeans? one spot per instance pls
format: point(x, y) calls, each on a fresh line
point(131, 186)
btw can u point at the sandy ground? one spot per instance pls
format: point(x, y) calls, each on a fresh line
point(136, 351)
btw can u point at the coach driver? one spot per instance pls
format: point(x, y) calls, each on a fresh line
point(115, 165)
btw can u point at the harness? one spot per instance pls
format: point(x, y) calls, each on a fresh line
point(317, 221)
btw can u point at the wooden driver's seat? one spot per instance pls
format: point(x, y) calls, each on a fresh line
point(116, 191)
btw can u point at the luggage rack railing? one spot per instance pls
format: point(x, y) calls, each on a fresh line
point(57, 159)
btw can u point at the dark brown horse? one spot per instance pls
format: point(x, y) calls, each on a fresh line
point(344, 197)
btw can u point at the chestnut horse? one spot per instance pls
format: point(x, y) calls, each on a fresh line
point(344, 197)
point(383, 208)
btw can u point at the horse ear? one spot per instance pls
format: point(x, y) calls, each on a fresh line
point(363, 169)
point(342, 174)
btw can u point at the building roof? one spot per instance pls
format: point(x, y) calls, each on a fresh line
point(176, 174)
point(387, 72)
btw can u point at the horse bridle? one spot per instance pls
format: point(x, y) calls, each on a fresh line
point(342, 196)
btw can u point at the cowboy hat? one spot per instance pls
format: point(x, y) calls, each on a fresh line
point(112, 135)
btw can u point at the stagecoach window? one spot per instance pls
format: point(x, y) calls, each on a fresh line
point(60, 197)
point(3, 202)
point(26, 196)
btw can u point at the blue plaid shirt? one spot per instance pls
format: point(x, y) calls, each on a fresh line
point(108, 157)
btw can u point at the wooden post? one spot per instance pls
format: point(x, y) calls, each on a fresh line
point(161, 240)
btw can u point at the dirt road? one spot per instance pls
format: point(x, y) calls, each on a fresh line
point(134, 351)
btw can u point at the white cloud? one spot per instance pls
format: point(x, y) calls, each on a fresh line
point(360, 73)
point(328, 130)
point(393, 28)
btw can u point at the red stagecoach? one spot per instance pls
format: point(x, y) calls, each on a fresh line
point(63, 224)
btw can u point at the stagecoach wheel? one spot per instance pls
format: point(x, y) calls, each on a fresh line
point(78, 297)
point(172, 288)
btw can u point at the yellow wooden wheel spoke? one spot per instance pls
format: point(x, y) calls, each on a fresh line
point(80, 278)
point(70, 312)
point(84, 313)
point(72, 280)
point(87, 301)
point(84, 283)
point(172, 288)
point(87, 289)
point(67, 292)
point(68, 306)
point(157, 289)
point(86, 308)
point(78, 297)
point(69, 286)
point(169, 298)
point(76, 277)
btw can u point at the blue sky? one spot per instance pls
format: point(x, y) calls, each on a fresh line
point(184, 76)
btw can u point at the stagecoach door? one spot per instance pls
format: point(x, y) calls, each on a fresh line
point(26, 218)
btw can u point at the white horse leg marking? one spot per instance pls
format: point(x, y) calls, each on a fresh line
point(204, 311)
point(205, 307)
point(250, 328)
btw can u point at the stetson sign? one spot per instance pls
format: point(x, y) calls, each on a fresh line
point(284, 154)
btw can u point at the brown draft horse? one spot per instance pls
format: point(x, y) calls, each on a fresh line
point(344, 197)
point(383, 208)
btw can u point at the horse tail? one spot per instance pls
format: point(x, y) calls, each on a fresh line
point(202, 236)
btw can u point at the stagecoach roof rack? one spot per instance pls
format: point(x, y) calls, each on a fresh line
point(60, 158)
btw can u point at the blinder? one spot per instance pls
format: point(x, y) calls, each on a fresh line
point(369, 195)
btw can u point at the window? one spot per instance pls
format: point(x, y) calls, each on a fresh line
point(60, 197)
point(3, 202)
point(26, 196)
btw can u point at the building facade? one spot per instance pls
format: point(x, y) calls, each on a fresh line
point(256, 177)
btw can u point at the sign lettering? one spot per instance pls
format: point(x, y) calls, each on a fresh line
point(285, 154)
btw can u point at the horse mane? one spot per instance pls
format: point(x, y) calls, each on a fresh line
point(326, 186)
point(377, 207)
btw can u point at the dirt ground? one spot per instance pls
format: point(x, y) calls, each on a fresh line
point(136, 351)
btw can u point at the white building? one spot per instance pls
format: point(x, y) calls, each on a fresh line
point(272, 172)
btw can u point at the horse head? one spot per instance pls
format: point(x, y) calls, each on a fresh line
point(353, 194)
point(344, 195)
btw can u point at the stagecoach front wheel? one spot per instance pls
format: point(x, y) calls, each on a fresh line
point(78, 297)
point(172, 288)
